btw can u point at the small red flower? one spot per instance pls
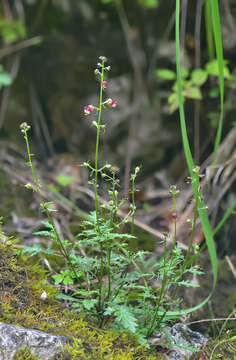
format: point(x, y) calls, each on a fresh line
point(105, 84)
point(112, 103)
point(88, 109)
point(174, 216)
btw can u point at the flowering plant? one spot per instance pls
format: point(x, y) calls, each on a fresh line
point(111, 282)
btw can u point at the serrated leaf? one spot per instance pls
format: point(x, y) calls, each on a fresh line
point(43, 233)
point(126, 318)
point(47, 224)
point(32, 251)
point(89, 304)
point(85, 293)
point(187, 284)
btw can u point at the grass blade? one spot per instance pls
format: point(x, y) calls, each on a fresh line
point(220, 61)
point(195, 183)
point(209, 30)
point(225, 217)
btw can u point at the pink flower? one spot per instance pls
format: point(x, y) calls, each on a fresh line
point(88, 109)
point(105, 84)
point(174, 216)
point(112, 103)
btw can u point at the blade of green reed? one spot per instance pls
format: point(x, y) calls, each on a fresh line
point(220, 61)
point(225, 217)
point(195, 179)
point(209, 30)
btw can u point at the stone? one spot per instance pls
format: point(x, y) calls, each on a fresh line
point(183, 338)
point(41, 344)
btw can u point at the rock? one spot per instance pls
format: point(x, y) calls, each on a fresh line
point(14, 338)
point(185, 337)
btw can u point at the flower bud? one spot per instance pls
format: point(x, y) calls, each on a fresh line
point(88, 109)
point(104, 84)
point(112, 103)
point(103, 58)
point(24, 127)
point(94, 123)
point(196, 169)
point(29, 186)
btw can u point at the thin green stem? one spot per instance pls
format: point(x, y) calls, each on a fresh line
point(193, 230)
point(132, 243)
point(160, 298)
point(44, 205)
point(96, 170)
point(175, 221)
point(109, 273)
point(96, 198)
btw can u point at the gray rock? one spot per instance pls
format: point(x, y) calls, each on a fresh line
point(45, 346)
point(183, 338)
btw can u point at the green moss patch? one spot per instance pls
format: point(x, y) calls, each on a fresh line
point(22, 283)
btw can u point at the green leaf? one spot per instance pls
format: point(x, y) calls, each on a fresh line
point(43, 233)
point(89, 304)
point(173, 98)
point(193, 92)
point(58, 278)
point(68, 280)
point(212, 68)
point(187, 284)
point(47, 224)
point(12, 31)
point(151, 4)
point(64, 180)
point(199, 77)
point(109, 310)
point(195, 184)
point(85, 293)
point(215, 14)
point(126, 318)
point(33, 250)
point(166, 74)
point(184, 72)
point(174, 102)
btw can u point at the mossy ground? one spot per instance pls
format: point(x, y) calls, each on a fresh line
point(223, 348)
point(22, 282)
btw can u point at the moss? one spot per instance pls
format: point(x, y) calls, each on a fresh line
point(223, 348)
point(22, 282)
point(25, 354)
